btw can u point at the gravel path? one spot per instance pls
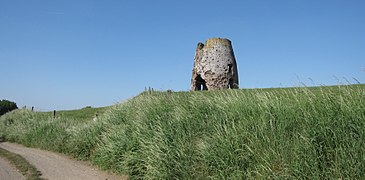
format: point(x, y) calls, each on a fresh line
point(9, 172)
point(54, 166)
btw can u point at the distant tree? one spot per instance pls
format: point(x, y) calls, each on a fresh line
point(6, 106)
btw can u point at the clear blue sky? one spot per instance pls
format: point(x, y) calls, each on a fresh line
point(67, 54)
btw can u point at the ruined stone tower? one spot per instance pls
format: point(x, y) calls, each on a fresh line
point(214, 66)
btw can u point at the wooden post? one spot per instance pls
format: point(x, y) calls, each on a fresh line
point(54, 114)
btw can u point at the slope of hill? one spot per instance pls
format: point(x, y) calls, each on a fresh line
point(309, 133)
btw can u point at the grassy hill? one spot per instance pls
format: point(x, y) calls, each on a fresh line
point(83, 115)
point(306, 133)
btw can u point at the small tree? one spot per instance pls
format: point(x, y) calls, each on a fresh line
point(6, 106)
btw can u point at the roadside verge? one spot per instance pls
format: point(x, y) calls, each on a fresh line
point(27, 169)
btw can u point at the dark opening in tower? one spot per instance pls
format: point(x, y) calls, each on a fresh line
point(200, 83)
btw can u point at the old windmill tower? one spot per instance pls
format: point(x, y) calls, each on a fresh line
point(215, 66)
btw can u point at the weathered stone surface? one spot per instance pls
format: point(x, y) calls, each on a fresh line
point(214, 66)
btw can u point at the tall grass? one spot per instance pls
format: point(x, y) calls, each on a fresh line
point(309, 133)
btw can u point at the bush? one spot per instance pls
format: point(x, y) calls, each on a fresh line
point(6, 106)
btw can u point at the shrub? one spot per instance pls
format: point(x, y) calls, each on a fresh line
point(6, 106)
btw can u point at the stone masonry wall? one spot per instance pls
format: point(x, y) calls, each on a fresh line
point(215, 66)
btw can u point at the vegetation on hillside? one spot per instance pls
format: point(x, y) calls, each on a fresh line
point(84, 114)
point(309, 133)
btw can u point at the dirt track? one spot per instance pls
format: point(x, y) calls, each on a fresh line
point(7, 171)
point(57, 166)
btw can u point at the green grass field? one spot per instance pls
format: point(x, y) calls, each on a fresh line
point(84, 114)
point(291, 133)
